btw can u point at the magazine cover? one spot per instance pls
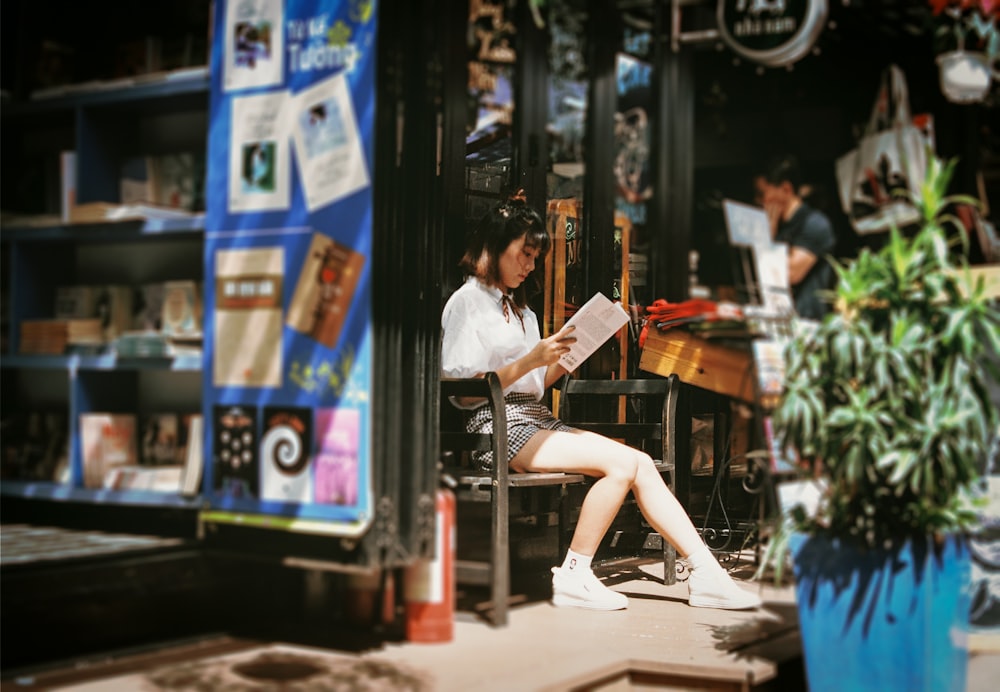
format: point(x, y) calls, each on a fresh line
point(338, 430)
point(108, 440)
point(235, 470)
point(259, 161)
point(161, 440)
point(327, 146)
point(248, 317)
point(254, 44)
point(325, 290)
point(285, 454)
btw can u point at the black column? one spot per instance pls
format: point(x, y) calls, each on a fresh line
point(673, 163)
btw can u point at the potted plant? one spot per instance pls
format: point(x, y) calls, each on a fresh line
point(968, 47)
point(886, 402)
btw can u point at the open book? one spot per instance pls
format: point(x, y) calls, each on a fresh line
point(596, 322)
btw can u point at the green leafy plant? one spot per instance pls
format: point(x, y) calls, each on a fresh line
point(887, 399)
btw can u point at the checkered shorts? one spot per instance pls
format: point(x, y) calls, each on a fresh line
point(525, 417)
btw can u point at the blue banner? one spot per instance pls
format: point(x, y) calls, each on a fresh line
point(287, 296)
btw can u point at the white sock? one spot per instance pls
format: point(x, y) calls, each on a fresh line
point(575, 562)
point(701, 558)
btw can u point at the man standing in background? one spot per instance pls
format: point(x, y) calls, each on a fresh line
point(807, 231)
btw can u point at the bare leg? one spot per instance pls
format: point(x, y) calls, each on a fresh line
point(619, 469)
point(663, 510)
point(591, 455)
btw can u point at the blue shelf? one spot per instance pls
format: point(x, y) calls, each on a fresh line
point(193, 82)
point(99, 362)
point(110, 231)
point(57, 491)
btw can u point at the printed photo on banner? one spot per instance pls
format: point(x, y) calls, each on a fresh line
point(327, 143)
point(235, 468)
point(259, 175)
point(255, 46)
point(337, 447)
point(285, 454)
point(248, 314)
point(325, 289)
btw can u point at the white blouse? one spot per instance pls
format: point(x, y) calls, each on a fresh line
point(478, 338)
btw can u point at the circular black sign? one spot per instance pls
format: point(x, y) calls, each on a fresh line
point(771, 32)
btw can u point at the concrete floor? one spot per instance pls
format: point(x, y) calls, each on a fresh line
point(658, 643)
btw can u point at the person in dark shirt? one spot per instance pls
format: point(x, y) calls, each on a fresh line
point(807, 231)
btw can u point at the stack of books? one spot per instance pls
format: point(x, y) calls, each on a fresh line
point(142, 344)
point(56, 337)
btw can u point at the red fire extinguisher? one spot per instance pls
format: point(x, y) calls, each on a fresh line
point(430, 582)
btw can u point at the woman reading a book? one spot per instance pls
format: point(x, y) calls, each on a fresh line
point(488, 326)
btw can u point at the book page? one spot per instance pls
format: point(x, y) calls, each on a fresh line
point(596, 322)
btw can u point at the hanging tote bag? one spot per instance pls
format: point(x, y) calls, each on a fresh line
point(879, 179)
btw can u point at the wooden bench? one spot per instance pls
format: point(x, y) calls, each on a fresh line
point(641, 413)
point(493, 486)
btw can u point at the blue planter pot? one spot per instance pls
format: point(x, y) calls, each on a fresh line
point(884, 620)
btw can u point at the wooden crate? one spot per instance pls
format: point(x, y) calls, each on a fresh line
point(726, 370)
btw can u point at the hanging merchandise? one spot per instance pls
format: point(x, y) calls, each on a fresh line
point(879, 179)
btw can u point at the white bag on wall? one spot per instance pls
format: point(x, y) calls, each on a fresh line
point(878, 180)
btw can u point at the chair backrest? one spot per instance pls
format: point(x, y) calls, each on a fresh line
point(454, 438)
point(641, 412)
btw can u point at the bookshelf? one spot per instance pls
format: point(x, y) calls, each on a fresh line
point(105, 122)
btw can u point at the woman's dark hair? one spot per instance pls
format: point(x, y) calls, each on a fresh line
point(494, 232)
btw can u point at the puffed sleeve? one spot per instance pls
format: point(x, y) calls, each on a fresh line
point(463, 353)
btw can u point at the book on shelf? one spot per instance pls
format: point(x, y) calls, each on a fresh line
point(107, 441)
point(181, 314)
point(56, 337)
point(78, 302)
point(137, 184)
point(194, 458)
point(104, 212)
point(67, 179)
point(114, 309)
point(169, 181)
point(42, 337)
point(161, 443)
point(160, 479)
point(148, 307)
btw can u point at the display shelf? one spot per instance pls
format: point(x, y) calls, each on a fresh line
point(107, 124)
point(182, 88)
point(108, 361)
point(50, 490)
point(118, 231)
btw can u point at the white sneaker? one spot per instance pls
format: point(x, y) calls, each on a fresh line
point(713, 588)
point(584, 590)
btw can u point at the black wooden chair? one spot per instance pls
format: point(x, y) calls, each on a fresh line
point(472, 484)
point(640, 412)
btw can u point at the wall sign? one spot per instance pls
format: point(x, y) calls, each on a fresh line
point(771, 32)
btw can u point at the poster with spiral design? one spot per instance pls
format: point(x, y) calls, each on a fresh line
point(285, 453)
